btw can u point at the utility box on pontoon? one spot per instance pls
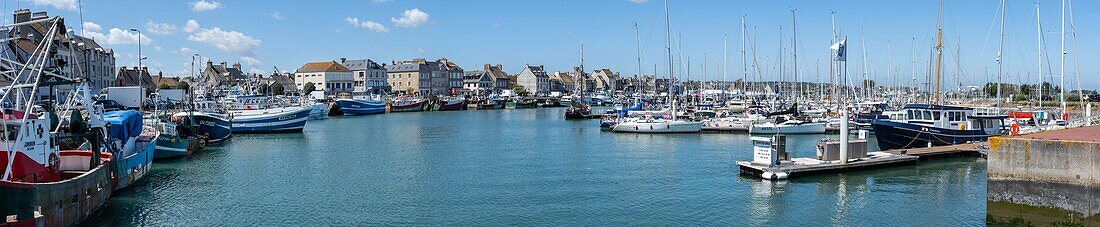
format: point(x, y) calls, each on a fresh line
point(829, 150)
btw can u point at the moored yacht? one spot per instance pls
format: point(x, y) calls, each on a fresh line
point(928, 125)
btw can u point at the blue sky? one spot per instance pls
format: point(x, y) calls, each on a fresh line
point(285, 34)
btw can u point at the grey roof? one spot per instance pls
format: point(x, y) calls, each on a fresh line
point(361, 64)
point(404, 67)
point(474, 76)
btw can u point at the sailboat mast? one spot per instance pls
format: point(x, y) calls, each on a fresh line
point(1039, 33)
point(638, 45)
point(939, 52)
point(744, 57)
point(668, 48)
point(1000, 53)
point(1062, 68)
point(794, 49)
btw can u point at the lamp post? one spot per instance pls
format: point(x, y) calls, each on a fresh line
point(141, 107)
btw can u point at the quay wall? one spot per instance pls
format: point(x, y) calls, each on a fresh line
point(1045, 172)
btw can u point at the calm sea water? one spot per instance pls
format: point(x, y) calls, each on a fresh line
point(526, 167)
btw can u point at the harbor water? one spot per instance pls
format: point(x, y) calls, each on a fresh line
point(527, 167)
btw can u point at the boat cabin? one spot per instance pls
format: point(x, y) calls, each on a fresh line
point(953, 117)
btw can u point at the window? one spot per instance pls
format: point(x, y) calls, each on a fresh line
point(936, 115)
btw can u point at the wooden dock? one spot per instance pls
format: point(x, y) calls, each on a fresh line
point(808, 166)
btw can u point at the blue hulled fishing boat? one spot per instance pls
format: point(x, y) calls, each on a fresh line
point(271, 120)
point(134, 146)
point(351, 107)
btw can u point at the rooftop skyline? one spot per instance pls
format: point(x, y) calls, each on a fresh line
point(263, 35)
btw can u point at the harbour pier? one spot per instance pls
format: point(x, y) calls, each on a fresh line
point(796, 167)
point(1054, 169)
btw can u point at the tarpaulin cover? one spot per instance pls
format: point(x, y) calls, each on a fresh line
point(125, 124)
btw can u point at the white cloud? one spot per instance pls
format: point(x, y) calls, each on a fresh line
point(381, 1)
point(60, 4)
point(639, 1)
point(277, 16)
point(89, 26)
point(232, 41)
point(374, 26)
point(157, 48)
point(160, 28)
point(420, 50)
point(191, 26)
point(250, 61)
point(184, 51)
point(116, 36)
point(411, 18)
point(203, 5)
point(495, 26)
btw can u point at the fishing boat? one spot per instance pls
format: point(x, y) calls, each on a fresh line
point(527, 103)
point(928, 125)
point(450, 103)
point(215, 127)
point(132, 145)
point(270, 120)
point(41, 184)
point(353, 107)
point(176, 140)
point(408, 105)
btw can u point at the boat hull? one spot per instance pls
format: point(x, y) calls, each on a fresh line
point(657, 127)
point(353, 107)
point(35, 204)
point(286, 120)
point(449, 106)
point(900, 135)
point(215, 127)
point(132, 168)
point(413, 107)
point(807, 128)
point(171, 147)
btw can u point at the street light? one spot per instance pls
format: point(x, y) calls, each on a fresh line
point(141, 107)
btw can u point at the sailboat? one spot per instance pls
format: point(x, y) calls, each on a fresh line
point(933, 124)
point(660, 124)
point(577, 108)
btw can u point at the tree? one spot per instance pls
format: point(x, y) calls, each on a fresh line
point(183, 85)
point(309, 88)
point(277, 89)
point(164, 86)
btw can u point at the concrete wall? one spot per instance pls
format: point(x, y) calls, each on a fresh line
point(1046, 173)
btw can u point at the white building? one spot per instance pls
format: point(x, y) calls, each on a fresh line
point(534, 80)
point(330, 77)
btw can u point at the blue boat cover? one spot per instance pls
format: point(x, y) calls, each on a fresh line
point(124, 124)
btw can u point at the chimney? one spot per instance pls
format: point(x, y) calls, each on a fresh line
point(22, 15)
point(237, 65)
point(488, 67)
point(209, 63)
point(223, 64)
point(342, 60)
point(38, 15)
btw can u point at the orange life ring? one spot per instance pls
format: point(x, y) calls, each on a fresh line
point(1015, 129)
